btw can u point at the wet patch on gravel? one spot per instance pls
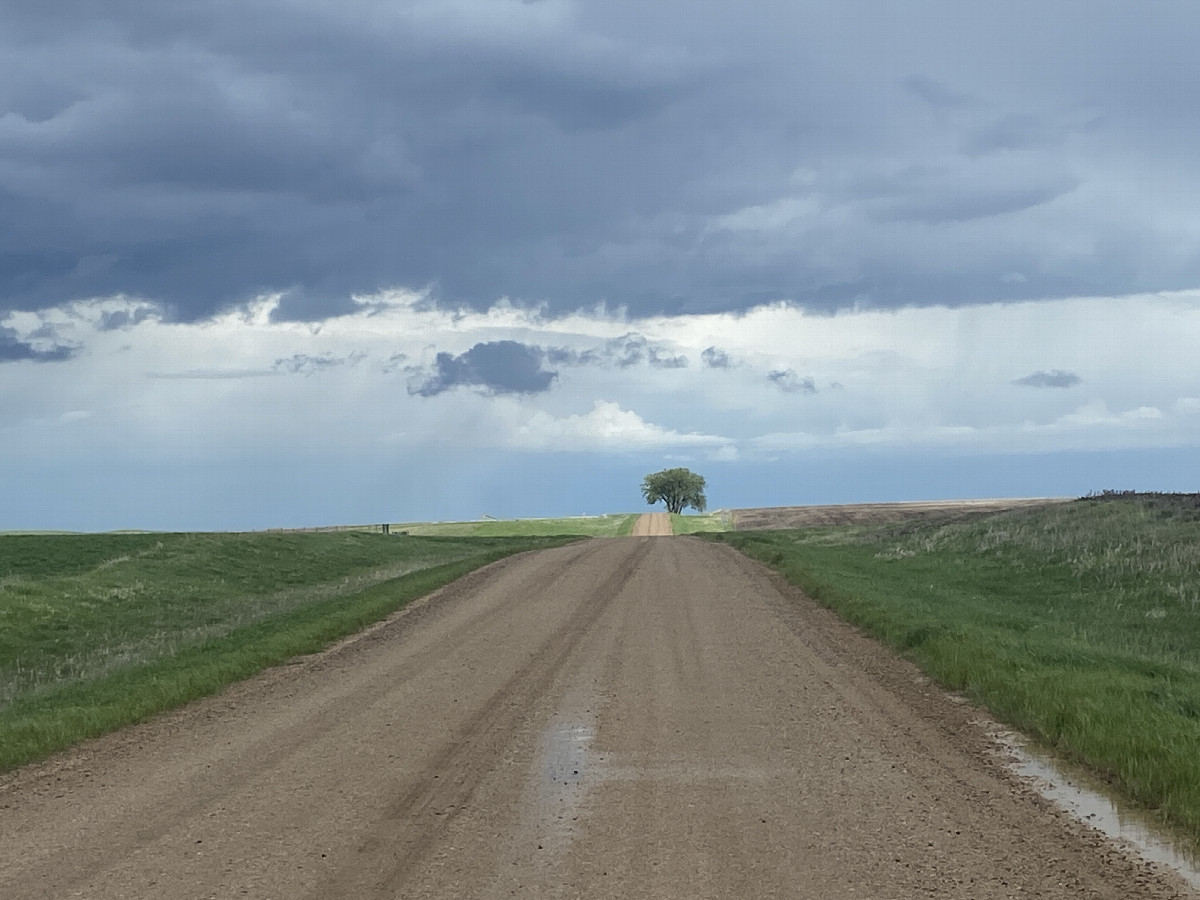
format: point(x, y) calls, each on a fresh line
point(566, 771)
point(1087, 800)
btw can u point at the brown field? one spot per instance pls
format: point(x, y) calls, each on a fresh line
point(878, 513)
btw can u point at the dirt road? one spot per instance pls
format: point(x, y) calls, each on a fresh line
point(653, 525)
point(618, 718)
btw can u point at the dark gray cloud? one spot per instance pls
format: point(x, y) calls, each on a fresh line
point(500, 367)
point(13, 349)
point(572, 153)
point(715, 359)
point(1014, 132)
point(300, 305)
point(627, 350)
point(304, 364)
point(790, 383)
point(1055, 378)
point(121, 319)
point(633, 349)
point(394, 362)
point(937, 198)
point(937, 95)
point(565, 356)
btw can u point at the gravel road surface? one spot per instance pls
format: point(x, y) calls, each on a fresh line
point(653, 525)
point(634, 717)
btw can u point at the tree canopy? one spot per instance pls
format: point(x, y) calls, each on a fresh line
point(678, 488)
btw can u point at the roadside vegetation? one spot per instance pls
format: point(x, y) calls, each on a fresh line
point(99, 631)
point(1077, 623)
point(717, 521)
point(582, 526)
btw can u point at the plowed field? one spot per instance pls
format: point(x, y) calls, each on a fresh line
point(875, 513)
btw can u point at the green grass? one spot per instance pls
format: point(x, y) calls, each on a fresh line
point(98, 631)
point(585, 526)
point(1079, 624)
point(702, 523)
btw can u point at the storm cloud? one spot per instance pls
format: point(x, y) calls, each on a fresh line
point(569, 153)
point(121, 319)
point(790, 383)
point(715, 359)
point(1052, 379)
point(13, 349)
point(633, 349)
point(500, 367)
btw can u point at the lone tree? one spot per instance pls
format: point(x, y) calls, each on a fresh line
point(678, 488)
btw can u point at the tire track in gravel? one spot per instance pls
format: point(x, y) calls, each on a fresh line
point(198, 779)
point(381, 866)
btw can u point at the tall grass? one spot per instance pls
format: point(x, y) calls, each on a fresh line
point(1078, 624)
point(97, 631)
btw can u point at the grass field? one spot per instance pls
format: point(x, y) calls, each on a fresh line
point(1077, 623)
point(97, 631)
point(585, 526)
point(701, 523)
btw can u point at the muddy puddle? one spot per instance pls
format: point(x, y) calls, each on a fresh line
point(1087, 799)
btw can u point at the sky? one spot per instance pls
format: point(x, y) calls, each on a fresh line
point(276, 263)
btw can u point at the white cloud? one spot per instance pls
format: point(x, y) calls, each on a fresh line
point(931, 377)
point(607, 428)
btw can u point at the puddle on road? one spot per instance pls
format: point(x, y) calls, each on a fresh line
point(1087, 800)
point(566, 755)
point(562, 786)
point(567, 771)
point(559, 778)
